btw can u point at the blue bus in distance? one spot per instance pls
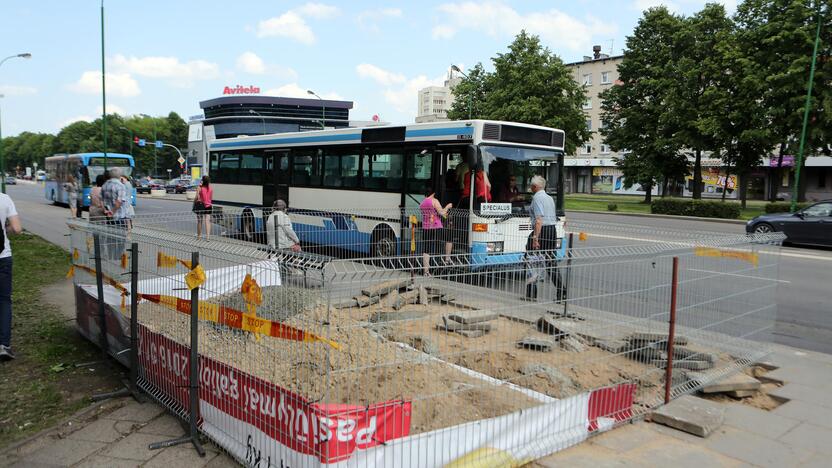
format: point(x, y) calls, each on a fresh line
point(84, 167)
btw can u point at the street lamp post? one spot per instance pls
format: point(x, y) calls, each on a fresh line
point(252, 111)
point(25, 55)
point(455, 68)
point(155, 169)
point(103, 91)
point(180, 155)
point(323, 122)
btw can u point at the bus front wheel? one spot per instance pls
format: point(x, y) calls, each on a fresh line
point(384, 243)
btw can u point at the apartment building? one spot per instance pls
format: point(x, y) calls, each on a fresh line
point(435, 101)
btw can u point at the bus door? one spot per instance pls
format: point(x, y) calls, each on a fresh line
point(276, 180)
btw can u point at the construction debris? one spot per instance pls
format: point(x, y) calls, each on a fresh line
point(652, 338)
point(573, 344)
point(364, 301)
point(472, 333)
point(613, 346)
point(566, 314)
point(450, 325)
point(550, 373)
point(683, 364)
point(474, 316)
point(690, 414)
point(386, 287)
point(732, 383)
point(409, 297)
point(536, 344)
point(528, 317)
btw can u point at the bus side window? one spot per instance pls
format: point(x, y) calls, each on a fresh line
point(229, 168)
point(419, 173)
point(251, 169)
point(383, 170)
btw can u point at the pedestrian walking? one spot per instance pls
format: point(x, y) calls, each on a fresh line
point(279, 232)
point(203, 206)
point(71, 187)
point(113, 194)
point(544, 218)
point(10, 224)
point(434, 239)
point(96, 202)
point(127, 202)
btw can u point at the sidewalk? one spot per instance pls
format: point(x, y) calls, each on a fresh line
point(797, 433)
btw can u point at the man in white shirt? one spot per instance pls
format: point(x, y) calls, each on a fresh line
point(279, 232)
point(10, 223)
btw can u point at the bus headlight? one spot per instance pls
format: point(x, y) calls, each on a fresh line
point(494, 247)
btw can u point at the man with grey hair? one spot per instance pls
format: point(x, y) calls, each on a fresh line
point(544, 217)
point(114, 197)
point(279, 232)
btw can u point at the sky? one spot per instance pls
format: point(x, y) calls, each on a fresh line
point(164, 56)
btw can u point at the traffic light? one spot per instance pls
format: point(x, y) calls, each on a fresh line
point(136, 140)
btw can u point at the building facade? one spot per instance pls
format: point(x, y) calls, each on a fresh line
point(434, 102)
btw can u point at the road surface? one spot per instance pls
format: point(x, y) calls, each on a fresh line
point(804, 315)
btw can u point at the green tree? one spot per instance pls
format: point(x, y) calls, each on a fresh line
point(638, 117)
point(697, 69)
point(778, 37)
point(529, 84)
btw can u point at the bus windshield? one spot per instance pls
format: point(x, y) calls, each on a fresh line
point(94, 169)
point(510, 170)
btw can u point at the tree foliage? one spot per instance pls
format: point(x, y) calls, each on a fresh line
point(82, 137)
point(638, 116)
point(529, 84)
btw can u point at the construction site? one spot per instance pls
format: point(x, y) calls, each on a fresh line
point(318, 359)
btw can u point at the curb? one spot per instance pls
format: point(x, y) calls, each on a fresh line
point(650, 215)
point(151, 197)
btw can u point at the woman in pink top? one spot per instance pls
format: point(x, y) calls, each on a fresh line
point(433, 233)
point(202, 207)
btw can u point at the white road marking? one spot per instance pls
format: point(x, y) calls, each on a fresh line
point(722, 273)
point(693, 244)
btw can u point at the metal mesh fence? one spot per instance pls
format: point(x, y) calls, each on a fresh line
point(322, 356)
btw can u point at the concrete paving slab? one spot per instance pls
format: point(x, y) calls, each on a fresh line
point(754, 449)
point(102, 430)
point(818, 461)
point(100, 461)
point(813, 395)
point(222, 461)
point(31, 464)
point(741, 393)
point(809, 373)
point(134, 447)
point(64, 452)
point(736, 381)
point(137, 412)
point(672, 452)
point(165, 425)
point(586, 456)
point(184, 455)
point(690, 414)
point(811, 437)
point(808, 412)
point(761, 422)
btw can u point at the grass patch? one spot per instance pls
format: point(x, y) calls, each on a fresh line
point(635, 204)
point(42, 386)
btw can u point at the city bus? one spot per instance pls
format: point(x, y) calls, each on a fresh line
point(359, 189)
point(85, 167)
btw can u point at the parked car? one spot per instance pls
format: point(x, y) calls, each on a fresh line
point(145, 186)
point(811, 225)
point(11, 180)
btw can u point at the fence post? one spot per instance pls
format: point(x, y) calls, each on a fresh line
point(671, 332)
point(134, 320)
point(193, 378)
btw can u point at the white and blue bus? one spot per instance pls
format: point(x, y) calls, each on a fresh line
point(359, 188)
point(84, 167)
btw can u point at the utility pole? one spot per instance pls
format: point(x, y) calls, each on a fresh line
point(806, 114)
point(103, 91)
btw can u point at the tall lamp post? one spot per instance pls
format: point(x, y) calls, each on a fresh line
point(455, 68)
point(103, 91)
point(252, 111)
point(24, 55)
point(323, 122)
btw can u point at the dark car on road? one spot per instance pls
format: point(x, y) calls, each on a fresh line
point(11, 180)
point(811, 225)
point(145, 186)
point(177, 185)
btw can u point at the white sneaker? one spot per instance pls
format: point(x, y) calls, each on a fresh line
point(6, 353)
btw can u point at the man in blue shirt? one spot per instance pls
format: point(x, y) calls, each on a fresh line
point(544, 217)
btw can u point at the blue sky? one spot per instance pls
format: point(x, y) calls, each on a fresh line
point(169, 55)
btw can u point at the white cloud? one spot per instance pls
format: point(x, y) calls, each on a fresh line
point(369, 19)
point(118, 84)
point(292, 24)
point(295, 91)
point(250, 62)
point(11, 90)
point(379, 75)
point(400, 92)
point(498, 19)
point(183, 73)
point(317, 10)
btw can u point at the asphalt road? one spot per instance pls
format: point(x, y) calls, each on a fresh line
point(804, 299)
